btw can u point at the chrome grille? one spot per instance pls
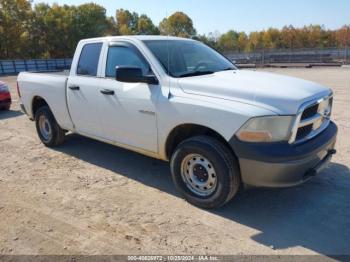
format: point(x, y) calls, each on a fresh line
point(309, 112)
point(303, 131)
point(312, 119)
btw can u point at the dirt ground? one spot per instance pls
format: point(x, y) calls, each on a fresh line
point(87, 197)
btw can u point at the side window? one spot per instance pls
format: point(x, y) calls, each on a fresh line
point(88, 61)
point(124, 56)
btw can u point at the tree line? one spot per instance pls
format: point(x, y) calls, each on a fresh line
point(52, 31)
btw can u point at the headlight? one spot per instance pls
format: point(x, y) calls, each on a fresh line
point(266, 129)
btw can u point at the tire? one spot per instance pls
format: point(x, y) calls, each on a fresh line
point(49, 132)
point(207, 162)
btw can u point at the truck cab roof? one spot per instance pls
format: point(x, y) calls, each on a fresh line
point(135, 37)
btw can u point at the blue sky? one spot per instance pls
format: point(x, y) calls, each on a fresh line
point(223, 15)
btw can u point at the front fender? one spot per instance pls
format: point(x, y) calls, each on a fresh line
point(223, 116)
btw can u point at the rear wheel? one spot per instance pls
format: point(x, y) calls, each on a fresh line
point(49, 132)
point(205, 171)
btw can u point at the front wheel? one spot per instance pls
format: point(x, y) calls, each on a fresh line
point(205, 171)
point(49, 132)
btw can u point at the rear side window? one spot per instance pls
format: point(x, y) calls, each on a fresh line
point(88, 61)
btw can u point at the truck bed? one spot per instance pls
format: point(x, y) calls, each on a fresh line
point(50, 86)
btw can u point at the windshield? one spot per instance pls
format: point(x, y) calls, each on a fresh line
point(183, 58)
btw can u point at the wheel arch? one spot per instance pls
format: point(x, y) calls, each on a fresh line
point(185, 131)
point(37, 102)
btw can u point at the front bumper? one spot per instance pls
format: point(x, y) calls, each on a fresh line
point(283, 164)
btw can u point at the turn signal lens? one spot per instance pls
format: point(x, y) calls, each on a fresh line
point(255, 136)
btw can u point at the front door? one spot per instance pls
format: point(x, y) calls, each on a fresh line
point(129, 109)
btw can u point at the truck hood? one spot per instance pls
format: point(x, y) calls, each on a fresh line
point(277, 93)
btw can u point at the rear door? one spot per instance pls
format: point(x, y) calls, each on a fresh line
point(129, 109)
point(83, 92)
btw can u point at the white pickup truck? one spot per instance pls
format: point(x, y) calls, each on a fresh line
point(179, 100)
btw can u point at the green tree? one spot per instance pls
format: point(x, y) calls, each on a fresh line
point(289, 37)
point(63, 26)
point(87, 20)
point(314, 36)
point(45, 31)
point(112, 28)
point(342, 36)
point(228, 41)
point(145, 26)
point(242, 41)
point(254, 42)
point(132, 24)
point(37, 44)
point(13, 18)
point(271, 38)
point(178, 24)
point(58, 21)
point(127, 22)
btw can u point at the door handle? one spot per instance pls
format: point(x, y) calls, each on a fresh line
point(74, 87)
point(107, 92)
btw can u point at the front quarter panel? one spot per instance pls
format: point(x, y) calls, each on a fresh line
point(223, 116)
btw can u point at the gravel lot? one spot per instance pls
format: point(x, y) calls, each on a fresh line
point(87, 197)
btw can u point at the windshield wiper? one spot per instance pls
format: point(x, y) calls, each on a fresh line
point(197, 73)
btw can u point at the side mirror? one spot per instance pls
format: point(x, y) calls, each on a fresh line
point(134, 75)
